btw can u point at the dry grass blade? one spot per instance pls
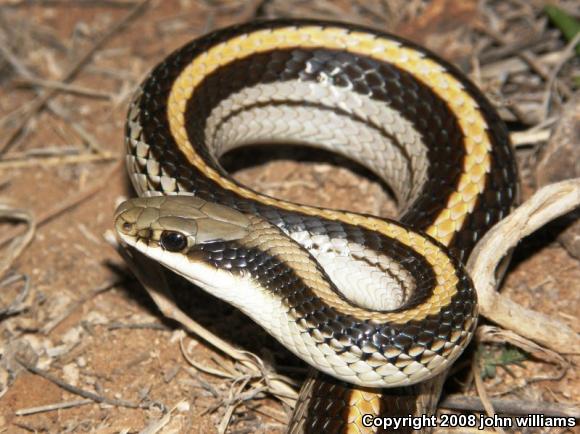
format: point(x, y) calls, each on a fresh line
point(19, 242)
point(66, 3)
point(69, 88)
point(56, 161)
point(529, 137)
point(545, 205)
point(53, 407)
point(568, 53)
point(480, 387)
point(232, 403)
point(200, 367)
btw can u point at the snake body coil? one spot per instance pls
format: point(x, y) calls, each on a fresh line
point(369, 301)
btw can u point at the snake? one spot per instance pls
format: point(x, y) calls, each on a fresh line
point(376, 306)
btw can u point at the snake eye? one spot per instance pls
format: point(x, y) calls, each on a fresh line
point(173, 241)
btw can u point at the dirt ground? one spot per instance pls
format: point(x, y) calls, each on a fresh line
point(87, 322)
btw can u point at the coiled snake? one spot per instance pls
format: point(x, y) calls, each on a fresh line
point(370, 302)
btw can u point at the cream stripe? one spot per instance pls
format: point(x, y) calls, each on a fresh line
point(330, 130)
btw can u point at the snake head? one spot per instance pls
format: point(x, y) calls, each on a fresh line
point(161, 225)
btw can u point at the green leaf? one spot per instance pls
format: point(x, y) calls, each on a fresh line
point(500, 357)
point(488, 371)
point(568, 25)
point(512, 355)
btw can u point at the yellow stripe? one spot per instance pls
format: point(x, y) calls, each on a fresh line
point(449, 89)
point(361, 402)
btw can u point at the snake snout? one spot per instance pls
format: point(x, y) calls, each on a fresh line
point(134, 222)
point(177, 223)
point(126, 219)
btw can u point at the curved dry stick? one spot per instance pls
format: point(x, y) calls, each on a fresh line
point(19, 242)
point(545, 205)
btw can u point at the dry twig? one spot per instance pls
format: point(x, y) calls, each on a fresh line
point(17, 304)
point(72, 389)
point(545, 205)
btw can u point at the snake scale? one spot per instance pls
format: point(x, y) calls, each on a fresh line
point(378, 307)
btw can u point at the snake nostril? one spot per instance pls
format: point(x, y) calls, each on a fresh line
point(127, 227)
